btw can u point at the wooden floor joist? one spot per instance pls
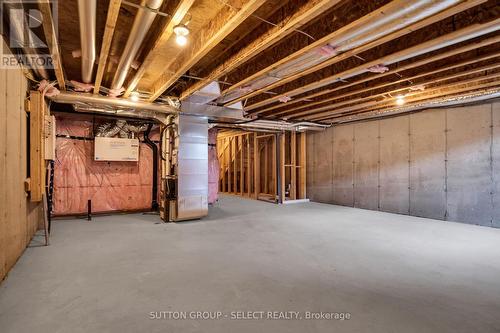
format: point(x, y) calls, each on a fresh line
point(109, 31)
point(343, 85)
point(52, 42)
point(295, 112)
point(309, 11)
point(167, 32)
point(235, 12)
point(461, 35)
point(318, 112)
point(394, 35)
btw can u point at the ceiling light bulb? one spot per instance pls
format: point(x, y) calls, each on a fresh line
point(181, 40)
point(134, 96)
point(400, 100)
point(181, 31)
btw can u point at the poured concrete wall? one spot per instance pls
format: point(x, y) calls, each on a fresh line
point(439, 163)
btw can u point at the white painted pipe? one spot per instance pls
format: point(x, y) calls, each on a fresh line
point(143, 21)
point(87, 15)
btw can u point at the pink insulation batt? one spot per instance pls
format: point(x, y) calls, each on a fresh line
point(112, 186)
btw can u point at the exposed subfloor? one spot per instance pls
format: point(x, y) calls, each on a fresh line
point(391, 273)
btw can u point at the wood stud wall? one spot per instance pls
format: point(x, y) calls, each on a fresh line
point(258, 175)
point(19, 217)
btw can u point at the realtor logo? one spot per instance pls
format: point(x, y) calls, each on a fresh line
point(21, 24)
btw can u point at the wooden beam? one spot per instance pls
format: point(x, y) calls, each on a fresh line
point(462, 49)
point(52, 43)
point(303, 166)
point(37, 154)
point(295, 111)
point(266, 167)
point(179, 13)
point(384, 103)
point(256, 166)
point(205, 40)
point(487, 88)
point(109, 31)
point(433, 45)
point(249, 166)
point(274, 167)
point(235, 164)
point(293, 162)
point(282, 166)
point(357, 101)
point(229, 165)
point(320, 111)
point(242, 165)
point(306, 13)
point(391, 36)
point(224, 165)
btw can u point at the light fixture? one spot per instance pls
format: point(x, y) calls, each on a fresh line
point(400, 99)
point(134, 96)
point(181, 31)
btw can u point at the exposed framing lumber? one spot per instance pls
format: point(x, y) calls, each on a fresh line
point(205, 40)
point(109, 31)
point(282, 138)
point(180, 12)
point(318, 111)
point(488, 88)
point(37, 146)
point(295, 112)
point(433, 44)
point(52, 42)
point(272, 156)
point(302, 166)
point(256, 161)
point(249, 166)
point(394, 35)
point(306, 13)
point(415, 97)
point(466, 48)
point(293, 167)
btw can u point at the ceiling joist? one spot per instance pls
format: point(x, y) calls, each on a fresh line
point(109, 31)
point(232, 15)
point(391, 36)
point(52, 43)
point(179, 14)
point(450, 53)
point(455, 37)
point(309, 11)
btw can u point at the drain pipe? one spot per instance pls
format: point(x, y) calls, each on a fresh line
point(87, 17)
point(154, 148)
point(143, 21)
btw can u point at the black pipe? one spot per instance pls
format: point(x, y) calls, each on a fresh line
point(154, 148)
point(89, 210)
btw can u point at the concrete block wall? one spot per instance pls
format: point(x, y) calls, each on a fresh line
point(439, 163)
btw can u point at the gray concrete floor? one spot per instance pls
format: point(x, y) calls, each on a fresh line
point(391, 273)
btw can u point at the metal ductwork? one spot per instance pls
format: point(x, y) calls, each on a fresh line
point(143, 21)
point(87, 16)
